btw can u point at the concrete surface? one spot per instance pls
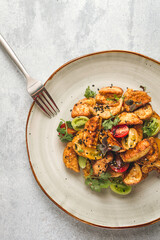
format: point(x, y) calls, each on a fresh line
point(46, 34)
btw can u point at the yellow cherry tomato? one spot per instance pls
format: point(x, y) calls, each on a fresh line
point(131, 140)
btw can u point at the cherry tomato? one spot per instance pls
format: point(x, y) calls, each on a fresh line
point(120, 131)
point(69, 130)
point(118, 165)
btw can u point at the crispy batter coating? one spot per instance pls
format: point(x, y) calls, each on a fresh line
point(134, 154)
point(145, 112)
point(110, 139)
point(82, 150)
point(82, 108)
point(153, 153)
point(114, 174)
point(91, 131)
point(101, 166)
point(105, 111)
point(134, 176)
point(70, 158)
point(134, 99)
point(139, 129)
point(100, 99)
point(151, 159)
point(129, 119)
point(109, 92)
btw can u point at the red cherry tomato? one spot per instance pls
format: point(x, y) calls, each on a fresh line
point(118, 165)
point(69, 130)
point(120, 131)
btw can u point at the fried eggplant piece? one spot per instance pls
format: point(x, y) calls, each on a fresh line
point(82, 108)
point(110, 140)
point(70, 158)
point(110, 92)
point(153, 153)
point(134, 154)
point(100, 99)
point(129, 119)
point(91, 131)
point(149, 162)
point(105, 111)
point(115, 174)
point(82, 150)
point(101, 166)
point(145, 112)
point(134, 176)
point(134, 99)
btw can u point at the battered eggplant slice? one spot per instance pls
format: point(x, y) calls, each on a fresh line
point(110, 140)
point(115, 174)
point(100, 99)
point(148, 162)
point(82, 108)
point(110, 92)
point(101, 166)
point(129, 119)
point(145, 112)
point(134, 154)
point(134, 176)
point(82, 150)
point(91, 131)
point(153, 153)
point(70, 158)
point(134, 99)
point(106, 111)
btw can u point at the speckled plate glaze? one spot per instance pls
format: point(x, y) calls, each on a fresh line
point(66, 188)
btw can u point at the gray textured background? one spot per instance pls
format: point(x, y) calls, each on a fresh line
point(46, 34)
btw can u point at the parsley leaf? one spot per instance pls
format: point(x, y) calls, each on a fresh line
point(89, 93)
point(63, 134)
point(112, 121)
point(97, 183)
point(69, 125)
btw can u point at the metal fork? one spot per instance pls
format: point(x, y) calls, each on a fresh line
point(35, 88)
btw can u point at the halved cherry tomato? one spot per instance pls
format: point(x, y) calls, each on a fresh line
point(118, 165)
point(120, 131)
point(69, 130)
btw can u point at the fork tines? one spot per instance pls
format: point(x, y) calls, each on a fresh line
point(45, 102)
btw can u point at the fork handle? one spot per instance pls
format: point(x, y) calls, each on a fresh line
point(13, 56)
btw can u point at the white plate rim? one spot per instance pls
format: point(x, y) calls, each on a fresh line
point(27, 146)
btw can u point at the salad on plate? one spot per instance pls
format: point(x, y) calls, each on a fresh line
point(112, 138)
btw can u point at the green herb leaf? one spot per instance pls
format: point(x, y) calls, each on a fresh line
point(108, 124)
point(66, 138)
point(69, 125)
point(97, 183)
point(105, 176)
point(89, 93)
point(63, 134)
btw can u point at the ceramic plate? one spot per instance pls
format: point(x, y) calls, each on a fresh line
point(66, 188)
